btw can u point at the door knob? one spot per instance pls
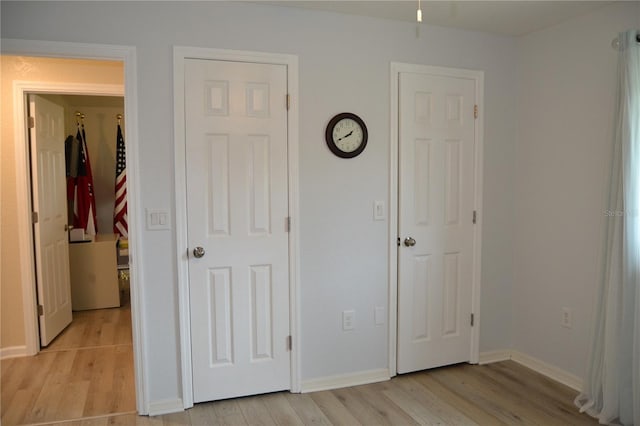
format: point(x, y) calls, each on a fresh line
point(198, 252)
point(409, 242)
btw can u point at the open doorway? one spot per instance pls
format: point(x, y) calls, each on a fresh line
point(56, 88)
point(78, 193)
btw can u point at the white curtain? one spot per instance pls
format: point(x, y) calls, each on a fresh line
point(612, 386)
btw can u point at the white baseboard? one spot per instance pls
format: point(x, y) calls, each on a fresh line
point(165, 406)
point(494, 356)
point(345, 380)
point(551, 371)
point(13, 352)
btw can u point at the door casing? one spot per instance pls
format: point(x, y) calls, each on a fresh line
point(126, 54)
point(395, 69)
point(180, 55)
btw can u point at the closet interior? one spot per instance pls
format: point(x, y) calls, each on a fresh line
point(98, 243)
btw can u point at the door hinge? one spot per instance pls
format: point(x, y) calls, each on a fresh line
point(474, 216)
point(289, 343)
point(475, 111)
point(288, 101)
point(34, 217)
point(287, 224)
point(40, 310)
point(32, 122)
point(472, 319)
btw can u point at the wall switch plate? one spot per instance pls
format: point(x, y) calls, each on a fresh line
point(567, 318)
point(379, 211)
point(157, 219)
point(348, 320)
point(378, 315)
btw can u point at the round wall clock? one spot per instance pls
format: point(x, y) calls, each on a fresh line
point(346, 135)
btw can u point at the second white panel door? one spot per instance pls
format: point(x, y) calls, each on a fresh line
point(237, 201)
point(436, 198)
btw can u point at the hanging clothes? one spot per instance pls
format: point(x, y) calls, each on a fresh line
point(80, 188)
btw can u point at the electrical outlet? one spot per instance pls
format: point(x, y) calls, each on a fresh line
point(348, 320)
point(567, 318)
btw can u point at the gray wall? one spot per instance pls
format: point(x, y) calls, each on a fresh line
point(566, 89)
point(344, 66)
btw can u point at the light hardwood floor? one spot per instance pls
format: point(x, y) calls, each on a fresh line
point(503, 393)
point(86, 377)
point(96, 328)
point(86, 371)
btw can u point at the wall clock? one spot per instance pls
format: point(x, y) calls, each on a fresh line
point(346, 135)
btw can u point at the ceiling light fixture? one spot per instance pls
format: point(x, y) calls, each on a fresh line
point(419, 13)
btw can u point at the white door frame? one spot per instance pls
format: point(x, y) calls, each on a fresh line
point(180, 55)
point(127, 55)
point(478, 76)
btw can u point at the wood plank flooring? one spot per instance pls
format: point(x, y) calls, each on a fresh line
point(95, 328)
point(85, 378)
point(504, 393)
point(86, 371)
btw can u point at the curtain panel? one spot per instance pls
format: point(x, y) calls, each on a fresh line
point(612, 386)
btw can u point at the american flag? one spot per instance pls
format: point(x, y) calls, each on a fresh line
point(120, 224)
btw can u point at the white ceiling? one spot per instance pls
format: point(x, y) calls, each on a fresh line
point(513, 18)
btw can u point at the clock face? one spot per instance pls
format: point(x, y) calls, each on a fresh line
point(346, 135)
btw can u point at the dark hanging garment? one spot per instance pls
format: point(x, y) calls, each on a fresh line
point(80, 190)
point(68, 152)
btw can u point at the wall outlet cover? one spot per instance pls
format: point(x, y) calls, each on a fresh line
point(567, 318)
point(348, 320)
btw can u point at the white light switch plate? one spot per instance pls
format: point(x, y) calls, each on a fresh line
point(157, 219)
point(378, 315)
point(379, 211)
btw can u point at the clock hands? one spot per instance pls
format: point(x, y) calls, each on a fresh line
point(346, 136)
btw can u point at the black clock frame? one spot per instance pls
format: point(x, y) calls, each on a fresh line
point(329, 135)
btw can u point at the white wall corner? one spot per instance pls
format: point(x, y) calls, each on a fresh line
point(165, 406)
point(551, 371)
point(345, 380)
point(13, 352)
point(494, 356)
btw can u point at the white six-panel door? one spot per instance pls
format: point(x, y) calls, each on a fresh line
point(50, 231)
point(237, 205)
point(436, 194)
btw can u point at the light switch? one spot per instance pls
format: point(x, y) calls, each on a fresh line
point(379, 315)
point(157, 219)
point(379, 212)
